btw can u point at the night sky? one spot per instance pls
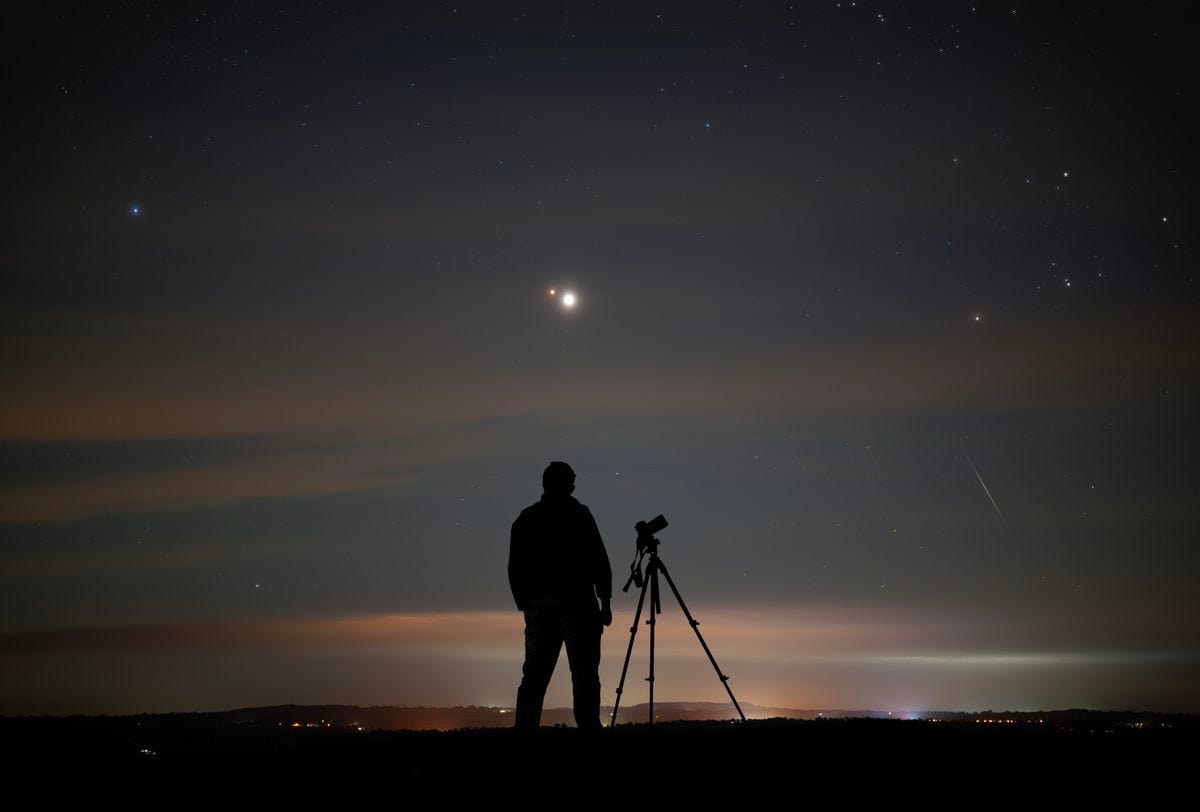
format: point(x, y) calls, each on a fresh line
point(889, 308)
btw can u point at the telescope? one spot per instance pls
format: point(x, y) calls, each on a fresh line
point(647, 529)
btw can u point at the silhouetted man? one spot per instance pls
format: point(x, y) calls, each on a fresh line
point(557, 567)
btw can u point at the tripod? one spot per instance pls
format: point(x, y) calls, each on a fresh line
point(647, 545)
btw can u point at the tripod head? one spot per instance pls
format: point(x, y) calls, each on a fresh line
point(646, 543)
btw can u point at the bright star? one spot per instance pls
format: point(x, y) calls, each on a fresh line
point(568, 300)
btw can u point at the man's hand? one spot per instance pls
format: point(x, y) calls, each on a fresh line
point(605, 612)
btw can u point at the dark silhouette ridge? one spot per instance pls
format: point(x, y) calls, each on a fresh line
point(1080, 753)
point(557, 568)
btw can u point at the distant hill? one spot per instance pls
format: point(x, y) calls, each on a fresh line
point(393, 717)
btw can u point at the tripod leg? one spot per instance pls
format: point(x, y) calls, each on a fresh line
point(652, 579)
point(632, 634)
point(695, 627)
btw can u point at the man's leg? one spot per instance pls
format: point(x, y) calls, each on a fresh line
point(543, 641)
point(583, 654)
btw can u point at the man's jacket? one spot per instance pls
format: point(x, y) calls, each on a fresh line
point(556, 552)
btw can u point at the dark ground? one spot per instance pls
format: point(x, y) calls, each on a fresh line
point(1094, 756)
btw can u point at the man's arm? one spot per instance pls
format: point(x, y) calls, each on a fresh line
point(516, 563)
point(601, 569)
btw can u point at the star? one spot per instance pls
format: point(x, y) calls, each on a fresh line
point(135, 210)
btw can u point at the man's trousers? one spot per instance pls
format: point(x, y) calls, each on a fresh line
point(549, 624)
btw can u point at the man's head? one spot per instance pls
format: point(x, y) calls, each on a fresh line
point(558, 479)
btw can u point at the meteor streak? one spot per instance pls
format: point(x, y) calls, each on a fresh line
point(985, 487)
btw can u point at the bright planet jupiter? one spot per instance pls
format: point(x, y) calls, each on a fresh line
point(283, 359)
